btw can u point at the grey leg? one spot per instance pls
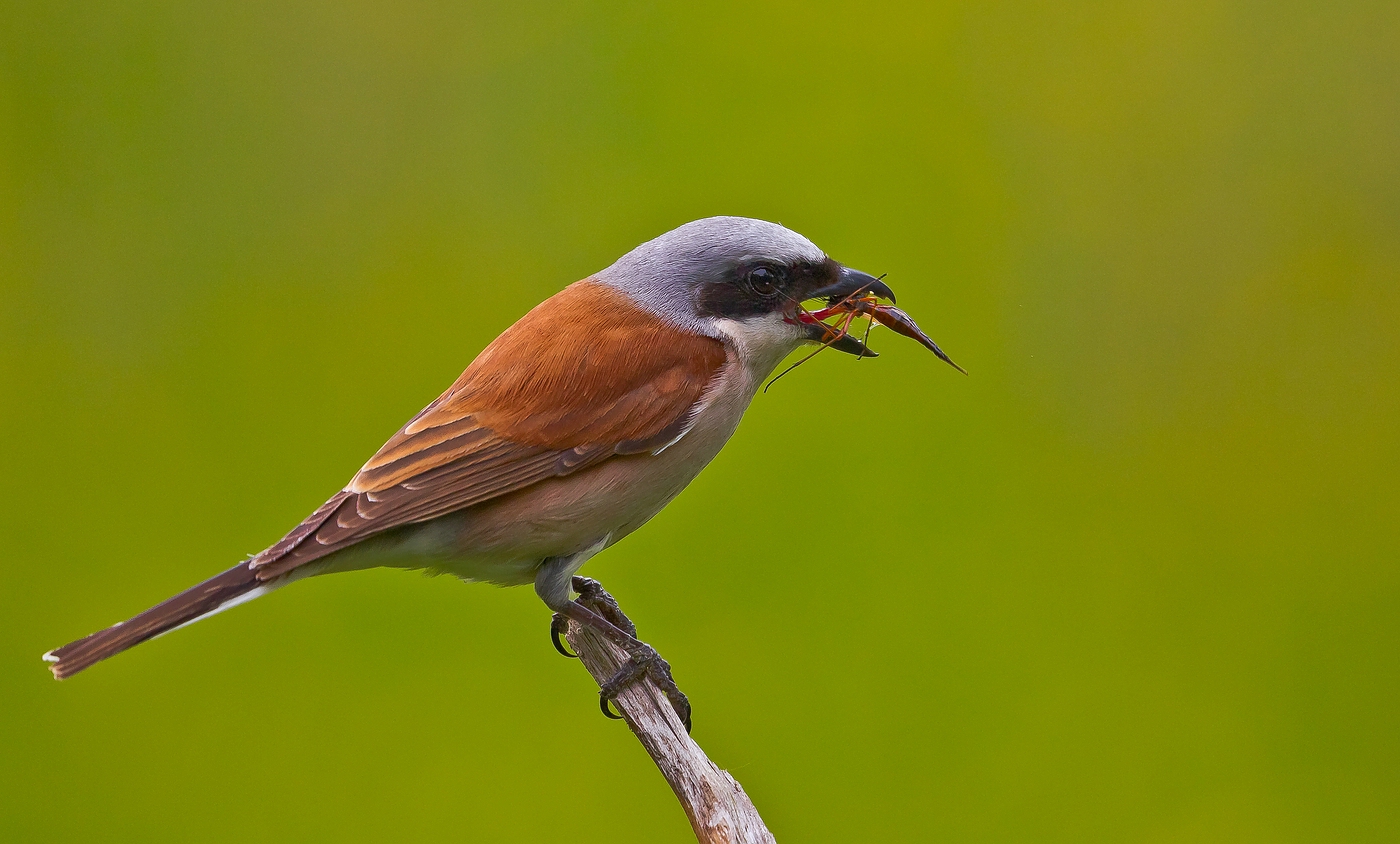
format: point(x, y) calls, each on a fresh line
point(600, 611)
point(590, 592)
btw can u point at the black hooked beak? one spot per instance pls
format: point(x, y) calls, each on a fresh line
point(849, 284)
point(848, 344)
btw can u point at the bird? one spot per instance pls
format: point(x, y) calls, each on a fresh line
point(569, 431)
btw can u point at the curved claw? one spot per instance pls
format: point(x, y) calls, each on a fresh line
point(556, 630)
point(607, 710)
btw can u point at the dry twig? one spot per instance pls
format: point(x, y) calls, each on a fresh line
point(718, 808)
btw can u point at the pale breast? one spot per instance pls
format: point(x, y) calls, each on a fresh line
point(563, 515)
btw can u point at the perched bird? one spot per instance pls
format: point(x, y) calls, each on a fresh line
point(568, 432)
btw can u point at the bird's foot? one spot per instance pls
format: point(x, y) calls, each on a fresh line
point(558, 626)
point(644, 661)
point(598, 609)
point(592, 595)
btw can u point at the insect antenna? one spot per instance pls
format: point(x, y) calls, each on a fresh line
point(845, 329)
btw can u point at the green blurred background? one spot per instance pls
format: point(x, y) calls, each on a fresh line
point(1134, 579)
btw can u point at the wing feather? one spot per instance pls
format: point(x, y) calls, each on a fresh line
point(582, 378)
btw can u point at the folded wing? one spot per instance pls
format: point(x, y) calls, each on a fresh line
point(584, 377)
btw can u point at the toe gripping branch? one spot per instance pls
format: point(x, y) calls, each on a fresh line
point(599, 610)
point(592, 594)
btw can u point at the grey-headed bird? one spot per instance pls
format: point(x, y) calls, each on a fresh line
point(568, 432)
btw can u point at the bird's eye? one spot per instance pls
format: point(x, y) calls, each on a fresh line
point(764, 281)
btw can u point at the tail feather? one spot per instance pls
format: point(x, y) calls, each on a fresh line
point(232, 587)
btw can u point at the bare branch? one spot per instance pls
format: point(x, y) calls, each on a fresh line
point(719, 810)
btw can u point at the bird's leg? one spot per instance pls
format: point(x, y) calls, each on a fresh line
point(599, 610)
point(592, 593)
point(600, 601)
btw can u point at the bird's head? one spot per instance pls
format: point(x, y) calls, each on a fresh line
point(744, 281)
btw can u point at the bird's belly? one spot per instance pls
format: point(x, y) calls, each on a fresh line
point(564, 515)
point(505, 540)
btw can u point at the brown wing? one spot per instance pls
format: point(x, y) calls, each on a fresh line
point(584, 376)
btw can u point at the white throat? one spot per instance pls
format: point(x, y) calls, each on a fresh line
point(762, 342)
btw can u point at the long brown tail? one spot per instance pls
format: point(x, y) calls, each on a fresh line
point(208, 597)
